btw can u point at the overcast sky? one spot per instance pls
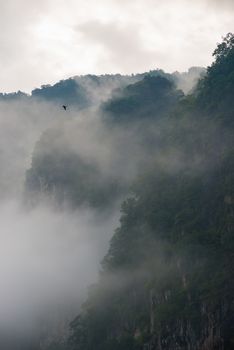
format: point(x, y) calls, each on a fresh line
point(48, 40)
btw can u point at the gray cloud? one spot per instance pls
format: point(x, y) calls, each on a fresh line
point(47, 257)
point(223, 4)
point(39, 44)
point(122, 44)
point(21, 124)
point(47, 260)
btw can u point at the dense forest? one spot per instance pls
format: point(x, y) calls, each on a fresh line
point(167, 279)
point(160, 146)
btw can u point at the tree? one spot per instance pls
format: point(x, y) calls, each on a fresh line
point(224, 48)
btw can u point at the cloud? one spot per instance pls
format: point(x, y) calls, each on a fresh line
point(122, 46)
point(40, 42)
point(47, 259)
point(224, 4)
point(21, 124)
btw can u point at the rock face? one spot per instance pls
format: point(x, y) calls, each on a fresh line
point(183, 335)
point(168, 280)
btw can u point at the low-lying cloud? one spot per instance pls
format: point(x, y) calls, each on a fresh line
point(47, 259)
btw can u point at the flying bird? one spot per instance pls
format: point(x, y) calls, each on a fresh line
point(64, 107)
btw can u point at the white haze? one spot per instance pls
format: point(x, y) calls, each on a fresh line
point(48, 257)
point(21, 124)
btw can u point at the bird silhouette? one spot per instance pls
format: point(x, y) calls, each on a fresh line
point(64, 107)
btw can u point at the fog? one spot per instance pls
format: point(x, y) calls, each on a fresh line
point(21, 124)
point(50, 253)
point(47, 260)
point(48, 256)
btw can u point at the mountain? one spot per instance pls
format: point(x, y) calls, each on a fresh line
point(61, 170)
point(167, 279)
point(151, 96)
point(85, 91)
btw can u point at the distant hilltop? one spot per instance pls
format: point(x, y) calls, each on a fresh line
point(78, 90)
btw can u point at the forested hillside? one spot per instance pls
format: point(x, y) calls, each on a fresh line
point(65, 170)
point(167, 279)
point(80, 92)
point(117, 175)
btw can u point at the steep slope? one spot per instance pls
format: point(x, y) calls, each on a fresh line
point(88, 161)
point(167, 279)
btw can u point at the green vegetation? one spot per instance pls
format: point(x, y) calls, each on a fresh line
point(150, 97)
point(60, 175)
point(167, 281)
point(60, 171)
